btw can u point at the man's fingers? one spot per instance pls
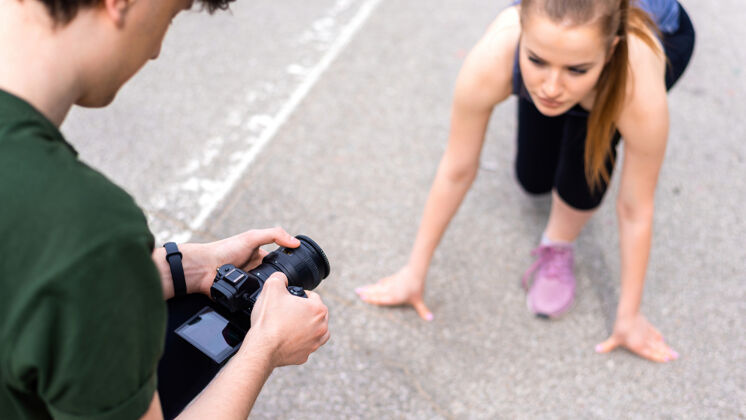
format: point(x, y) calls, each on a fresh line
point(276, 280)
point(325, 338)
point(606, 346)
point(313, 296)
point(422, 310)
point(273, 235)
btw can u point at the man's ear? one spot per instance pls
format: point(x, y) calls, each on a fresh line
point(116, 10)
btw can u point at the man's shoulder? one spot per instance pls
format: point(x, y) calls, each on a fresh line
point(44, 184)
point(58, 214)
point(76, 275)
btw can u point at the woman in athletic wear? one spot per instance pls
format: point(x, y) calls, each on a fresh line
point(570, 63)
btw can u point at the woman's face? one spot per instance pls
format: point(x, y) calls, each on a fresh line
point(560, 63)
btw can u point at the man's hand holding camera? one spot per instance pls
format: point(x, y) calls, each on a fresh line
point(200, 260)
point(286, 327)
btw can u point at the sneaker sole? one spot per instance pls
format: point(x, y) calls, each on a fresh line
point(554, 316)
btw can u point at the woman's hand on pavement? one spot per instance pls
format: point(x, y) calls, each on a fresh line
point(639, 336)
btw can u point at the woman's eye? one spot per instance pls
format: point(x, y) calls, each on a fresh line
point(577, 71)
point(535, 61)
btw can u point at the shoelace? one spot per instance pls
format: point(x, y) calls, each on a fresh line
point(556, 258)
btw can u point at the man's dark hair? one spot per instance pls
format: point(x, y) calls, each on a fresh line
point(63, 11)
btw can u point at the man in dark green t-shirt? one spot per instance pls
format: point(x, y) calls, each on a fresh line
point(82, 311)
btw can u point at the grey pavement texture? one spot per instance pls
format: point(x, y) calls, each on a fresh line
point(352, 167)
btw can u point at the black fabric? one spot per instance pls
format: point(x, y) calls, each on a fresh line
point(679, 47)
point(550, 155)
point(183, 371)
point(551, 149)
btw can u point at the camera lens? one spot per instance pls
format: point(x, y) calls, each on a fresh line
point(304, 266)
point(317, 254)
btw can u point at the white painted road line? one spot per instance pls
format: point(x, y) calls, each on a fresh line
point(219, 190)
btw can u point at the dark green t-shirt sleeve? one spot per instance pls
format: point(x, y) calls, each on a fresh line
point(91, 346)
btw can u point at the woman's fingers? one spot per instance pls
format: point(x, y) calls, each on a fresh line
point(377, 294)
point(655, 334)
point(390, 293)
point(366, 291)
point(422, 311)
point(606, 346)
point(650, 354)
point(654, 349)
point(668, 353)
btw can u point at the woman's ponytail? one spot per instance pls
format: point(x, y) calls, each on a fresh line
point(611, 89)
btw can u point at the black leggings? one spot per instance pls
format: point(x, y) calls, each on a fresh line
point(551, 149)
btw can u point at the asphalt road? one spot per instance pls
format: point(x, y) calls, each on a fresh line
point(329, 117)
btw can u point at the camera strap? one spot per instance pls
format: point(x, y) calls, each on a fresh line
point(173, 256)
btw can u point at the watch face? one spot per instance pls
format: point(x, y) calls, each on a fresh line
point(212, 334)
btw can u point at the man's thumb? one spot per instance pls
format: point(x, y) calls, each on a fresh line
point(277, 280)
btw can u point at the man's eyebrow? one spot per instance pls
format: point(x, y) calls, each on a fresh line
point(537, 56)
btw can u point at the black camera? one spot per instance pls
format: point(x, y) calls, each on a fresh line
point(218, 330)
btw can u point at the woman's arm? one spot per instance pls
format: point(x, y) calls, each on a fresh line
point(472, 106)
point(484, 81)
point(644, 126)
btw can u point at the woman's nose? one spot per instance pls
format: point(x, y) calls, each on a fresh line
point(551, 86)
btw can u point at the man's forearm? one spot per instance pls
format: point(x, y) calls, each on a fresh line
point(232, 393)
point(197, 271)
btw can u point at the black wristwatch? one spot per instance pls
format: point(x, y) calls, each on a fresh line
point(173, 256)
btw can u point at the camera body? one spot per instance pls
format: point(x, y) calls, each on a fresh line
point(237, 291)
point(218, 330)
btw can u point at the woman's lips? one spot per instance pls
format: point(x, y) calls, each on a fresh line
point(549, 103)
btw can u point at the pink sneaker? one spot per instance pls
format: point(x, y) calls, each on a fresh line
point(552, 290)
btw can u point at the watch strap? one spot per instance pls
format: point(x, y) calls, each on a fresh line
point(173, 256)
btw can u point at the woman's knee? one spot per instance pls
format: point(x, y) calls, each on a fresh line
point(533, 184)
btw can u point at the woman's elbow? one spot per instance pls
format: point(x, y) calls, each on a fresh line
point(459, 172)
point(636, 212)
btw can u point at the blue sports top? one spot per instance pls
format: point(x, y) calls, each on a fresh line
point(665, 13)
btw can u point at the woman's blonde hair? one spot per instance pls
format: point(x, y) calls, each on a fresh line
point(617, 20)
